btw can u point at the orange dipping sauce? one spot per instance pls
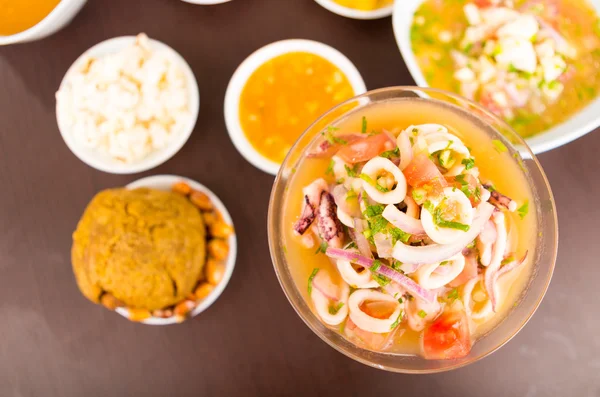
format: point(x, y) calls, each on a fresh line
point(284, 96)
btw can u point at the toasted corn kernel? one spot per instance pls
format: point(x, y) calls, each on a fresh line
point(218, 249)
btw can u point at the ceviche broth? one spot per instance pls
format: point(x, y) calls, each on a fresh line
point(307, 253)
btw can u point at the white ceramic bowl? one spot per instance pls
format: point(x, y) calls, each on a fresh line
point(62, 14)
point(258, 58)
point(105, 163)
point(576, 126)
point(356, 14)
point(166, 182)
point(206, 2)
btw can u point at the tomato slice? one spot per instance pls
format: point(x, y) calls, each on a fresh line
point(365, 149)
point(422, 172)
point(447, 337)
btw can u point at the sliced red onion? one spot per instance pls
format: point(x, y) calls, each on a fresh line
point(405, 282)
point(435, 253)
point(359, 238)
point(383, 245)
point(406, 152)
point(402, 221)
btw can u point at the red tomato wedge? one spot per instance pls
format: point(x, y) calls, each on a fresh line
point(365, 149)
point(422, 172)
point(378, 309)
point(469, 271)
point(448, 337)
point(469, 182)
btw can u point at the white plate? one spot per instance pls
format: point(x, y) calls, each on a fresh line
point(356, 14)
point(105, 163)
point(576, 126)
point(166, 182)
point(255, 60)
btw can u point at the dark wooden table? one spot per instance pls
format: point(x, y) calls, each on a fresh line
point(53, 342)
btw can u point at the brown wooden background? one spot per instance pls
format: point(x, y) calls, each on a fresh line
point(53, 342)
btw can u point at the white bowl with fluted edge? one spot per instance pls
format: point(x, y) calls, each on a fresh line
point(103, 162)
point(353, 13)
point(166, 182)
point(60, 16)
point(576, 126)
point(249, 66)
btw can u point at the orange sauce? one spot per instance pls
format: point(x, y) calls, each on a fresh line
point(19, 15)
point(284, 96)
point(364, 5)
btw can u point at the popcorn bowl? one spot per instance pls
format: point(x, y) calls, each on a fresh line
point(103, 161)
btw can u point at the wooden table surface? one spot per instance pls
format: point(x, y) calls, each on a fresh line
point(53, 342)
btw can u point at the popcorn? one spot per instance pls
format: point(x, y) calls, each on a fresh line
point(128, 104)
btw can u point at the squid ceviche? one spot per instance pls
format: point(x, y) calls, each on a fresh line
point(410, 230)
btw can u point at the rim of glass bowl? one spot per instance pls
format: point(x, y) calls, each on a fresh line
point(546, 243)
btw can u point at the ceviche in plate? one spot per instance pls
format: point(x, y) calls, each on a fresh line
point(409, 229)
point(531, 62)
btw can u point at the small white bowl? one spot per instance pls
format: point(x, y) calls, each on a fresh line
point(104, 162)
point(206, 2)
point(579, 124)
point(247, 68)
point(61, 15)
point(166, 182)
point(354, 13)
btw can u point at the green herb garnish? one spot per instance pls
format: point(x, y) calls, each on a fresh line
point(507, 260)
point(374, 210)
point(524, 209)
point(310, 279)
point(399, 235)
point(468, 163)
point(351, 195)
point(428, 205)
point(371, 182)
point(391, 153)
point(395, 323)
point(322, 248)
point(422, 313)
point(499, 146)
point(351, 171)
point(336, 308)
point(375, 266)
point(364, 125)
point(329, 170)
point(453, 295)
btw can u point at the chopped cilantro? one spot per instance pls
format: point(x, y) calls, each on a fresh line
point(351, 171)
point(375, 266)
point(477, 193)
point(444, 263)
point(507, 260)
point(329, 170)
point(336, 308)
point(512, 68)
point(322, 248)
point(332, 139)
point(364, 125)
point(374, 210)
point(428, 205)
point(351, 195)
point(381, 280)
point(468, 163)
point(395, 323)
point(310, 279)
point(419, 195)
point(399, 235)
point(440, 221)
point(453, 295)
point(391, 153)
point(377, 224)
point(499, 146)
point(371, 182)
point(422, 313)
point(524, 209)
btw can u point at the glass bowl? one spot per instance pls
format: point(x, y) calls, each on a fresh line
point(544, 255)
